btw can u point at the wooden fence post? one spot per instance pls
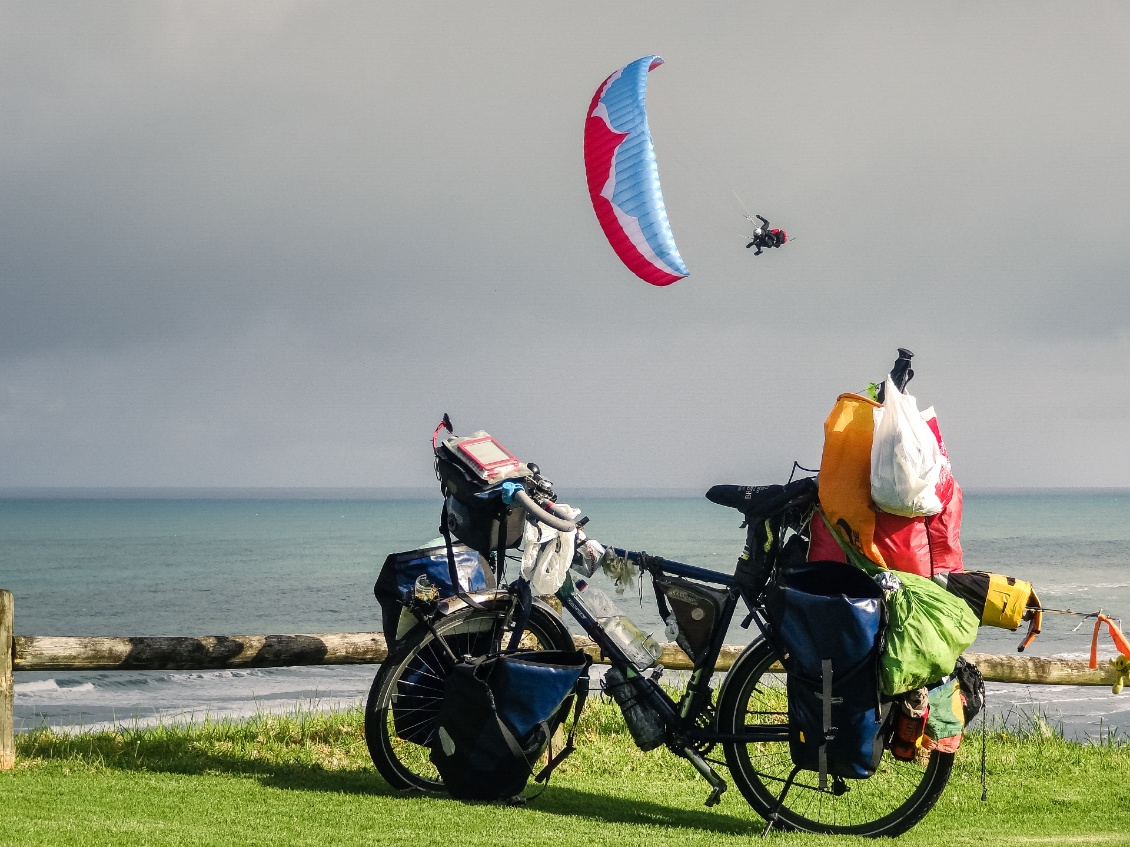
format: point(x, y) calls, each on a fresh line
point(7, 736)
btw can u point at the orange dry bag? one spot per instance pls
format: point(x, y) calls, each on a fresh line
point(845, 473)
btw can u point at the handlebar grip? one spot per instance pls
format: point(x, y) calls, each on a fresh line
point(541, 514)
point(902, 373)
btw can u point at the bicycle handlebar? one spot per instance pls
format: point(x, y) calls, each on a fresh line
point(902, 373)
point(548, 518)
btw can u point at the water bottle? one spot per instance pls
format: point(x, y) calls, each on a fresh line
point(594, 601)
point(424, 590)
point(910, 722)
point(671, 631)
point(643, 723)
point(639, 647)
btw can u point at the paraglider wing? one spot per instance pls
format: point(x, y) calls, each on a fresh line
point(624, 178)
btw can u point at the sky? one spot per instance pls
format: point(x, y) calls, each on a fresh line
point(269, 244)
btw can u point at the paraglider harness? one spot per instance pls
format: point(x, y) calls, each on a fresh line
point(763, 237)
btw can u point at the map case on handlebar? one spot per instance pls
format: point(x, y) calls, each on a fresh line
point(487, 457)
point(475, 462)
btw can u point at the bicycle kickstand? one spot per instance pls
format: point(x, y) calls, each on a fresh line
point(780, 801)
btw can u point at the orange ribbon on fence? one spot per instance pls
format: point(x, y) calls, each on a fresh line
point(1119, 639)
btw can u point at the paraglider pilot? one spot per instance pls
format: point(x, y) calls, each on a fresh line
point(764, 237)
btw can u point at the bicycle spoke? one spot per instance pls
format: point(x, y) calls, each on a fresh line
point(887, 803)
point(406, 695)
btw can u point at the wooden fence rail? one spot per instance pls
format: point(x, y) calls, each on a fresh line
point(216, 652)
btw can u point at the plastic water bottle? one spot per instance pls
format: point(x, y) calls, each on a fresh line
point(594, 601)
point(671, 631)
point(639, 647)
point(643, 723)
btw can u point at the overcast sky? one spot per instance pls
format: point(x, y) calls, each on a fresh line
point(270, 244)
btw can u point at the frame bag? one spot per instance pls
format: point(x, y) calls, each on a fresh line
point(695, 608)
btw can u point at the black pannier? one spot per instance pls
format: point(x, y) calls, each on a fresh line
point(497, 717)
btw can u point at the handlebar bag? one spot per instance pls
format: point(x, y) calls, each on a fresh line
point(477, 512)
point(828, 619)
point(497, 716)
point(484, 521)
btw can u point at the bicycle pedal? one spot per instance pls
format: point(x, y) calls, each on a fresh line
point(717, 783)
point(716, 795)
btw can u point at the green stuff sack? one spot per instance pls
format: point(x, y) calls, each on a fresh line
point(927, 629)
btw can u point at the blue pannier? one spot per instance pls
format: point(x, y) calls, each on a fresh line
point(828, 618)
point(497, 716)
point(400, 571)
point(529, 687)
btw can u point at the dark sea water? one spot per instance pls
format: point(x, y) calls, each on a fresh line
point(177, 565)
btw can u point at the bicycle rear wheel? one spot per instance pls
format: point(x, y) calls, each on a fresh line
point(889, 803)
point(404, 700)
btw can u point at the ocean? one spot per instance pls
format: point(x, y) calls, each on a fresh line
point(178, 563)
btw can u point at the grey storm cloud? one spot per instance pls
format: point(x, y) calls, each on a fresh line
point(271, 243)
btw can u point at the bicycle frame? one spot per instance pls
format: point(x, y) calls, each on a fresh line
point(679, 718)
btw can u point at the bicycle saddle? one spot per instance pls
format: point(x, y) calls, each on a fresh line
point(757, 502)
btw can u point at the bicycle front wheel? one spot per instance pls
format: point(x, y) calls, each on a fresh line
point(889, 803)
point(403, 703)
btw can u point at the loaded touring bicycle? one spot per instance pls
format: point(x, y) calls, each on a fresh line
point(798, 720)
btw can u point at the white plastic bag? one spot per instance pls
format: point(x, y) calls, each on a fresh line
point(906, 459)
point(547, 553)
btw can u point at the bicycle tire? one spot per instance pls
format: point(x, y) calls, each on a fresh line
point(887, 804)
point(404, 699)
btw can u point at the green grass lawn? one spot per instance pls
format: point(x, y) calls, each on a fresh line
point(307, 779)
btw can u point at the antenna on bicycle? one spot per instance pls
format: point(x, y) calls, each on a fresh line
point(444, 424)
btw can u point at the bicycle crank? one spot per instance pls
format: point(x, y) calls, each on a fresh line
point(708, 774)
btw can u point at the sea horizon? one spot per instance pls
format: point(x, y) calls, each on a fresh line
point(427, 492)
